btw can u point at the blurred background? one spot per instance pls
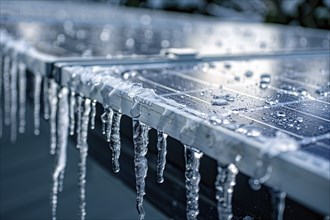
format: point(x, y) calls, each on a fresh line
point(307, 13)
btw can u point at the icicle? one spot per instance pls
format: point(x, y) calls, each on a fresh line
point(115, 141)
point(225, 182)
point(162, 151)
point(53, 108)
point(79, 116)
point(83, 156)
point(106, 119)
point(192, 157)
point(278, 204)
point(36, 100)
point(22, 96)
point(6, 89)
point(93, 113)
point(72, 111)
point(1, 74)
point(45, 98)
point(13, 98)
point(140, 139)
point(62, 132)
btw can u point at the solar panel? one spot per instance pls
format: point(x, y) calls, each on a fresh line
point(230, 96)
point(250, 89)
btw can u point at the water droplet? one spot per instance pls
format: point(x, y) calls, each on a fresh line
point(280, 114)
point(300, 119)
point(249, 73)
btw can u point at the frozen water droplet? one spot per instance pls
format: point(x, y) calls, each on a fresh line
point(36, 101)
point(224, 184)
point(162, 151)
point(115, 144)
point(192, 158)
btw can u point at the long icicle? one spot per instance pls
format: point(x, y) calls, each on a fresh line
point(36, 100)
point(162, 151)
point(6, 89)
point(13, 98)
point(140, 139)
point(115, 144)
point(79, 102)
point(53, 109)
point(192, 157)
point(45, 97)
point(224, 184)
point(83, 156)
point(278, 204)
point(72, 111)
point(22, 96)
point(62, 132)
point(1, 77)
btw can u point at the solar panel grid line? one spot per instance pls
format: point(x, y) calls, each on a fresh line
point(228, 89)
point(298, 82)
point(294, 94)
point(282, 104)
point(305, 113)
point(271, 126)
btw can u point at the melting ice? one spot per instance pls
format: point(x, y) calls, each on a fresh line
point(225, 182)
point(62, 132)
point(192, 157)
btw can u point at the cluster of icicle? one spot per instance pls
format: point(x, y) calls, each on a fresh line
point(68, 111)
